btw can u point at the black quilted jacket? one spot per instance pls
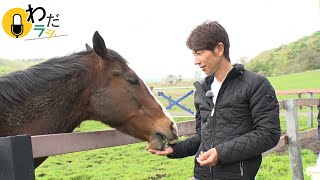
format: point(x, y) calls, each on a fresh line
point(244, 125)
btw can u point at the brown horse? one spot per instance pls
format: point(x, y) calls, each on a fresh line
point(57, 95)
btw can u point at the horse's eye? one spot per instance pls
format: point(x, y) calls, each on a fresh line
point(133, 81)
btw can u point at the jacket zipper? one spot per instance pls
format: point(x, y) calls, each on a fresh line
point(213, 132)
point(214, 114)
point(241, 168)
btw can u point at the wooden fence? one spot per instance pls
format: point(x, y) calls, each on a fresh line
point(17, 152)
point(309, 92)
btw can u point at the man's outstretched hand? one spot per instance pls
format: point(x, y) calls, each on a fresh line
point(168, 150)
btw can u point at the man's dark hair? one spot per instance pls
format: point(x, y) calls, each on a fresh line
point(207, 36)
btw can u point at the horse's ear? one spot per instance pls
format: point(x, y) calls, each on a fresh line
point(99, 46)
point(89, 48)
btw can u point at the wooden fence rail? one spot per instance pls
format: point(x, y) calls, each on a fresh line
point(298, 92)
point(46, 145)
point(54, 144)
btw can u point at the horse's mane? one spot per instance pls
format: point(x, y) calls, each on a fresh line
point(114, 55)
point(15, 86)
point(117, 56)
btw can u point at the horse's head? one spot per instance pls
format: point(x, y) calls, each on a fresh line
point(119, 98)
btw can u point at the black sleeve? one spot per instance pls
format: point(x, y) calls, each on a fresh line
point(189, 146)
point(264, 108)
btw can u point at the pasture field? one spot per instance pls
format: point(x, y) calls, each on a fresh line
point(134, 162)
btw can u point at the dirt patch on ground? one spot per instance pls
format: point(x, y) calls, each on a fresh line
point(311, 143)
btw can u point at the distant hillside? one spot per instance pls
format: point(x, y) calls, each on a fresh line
point(7, 66)
point(298, 56)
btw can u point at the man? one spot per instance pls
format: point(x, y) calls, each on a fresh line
point(237, 112)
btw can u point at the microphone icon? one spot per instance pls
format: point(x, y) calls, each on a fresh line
point(17, 26)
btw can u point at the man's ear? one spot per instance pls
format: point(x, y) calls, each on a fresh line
point(219, 50)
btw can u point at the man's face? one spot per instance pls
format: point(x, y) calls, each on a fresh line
point(208, 61)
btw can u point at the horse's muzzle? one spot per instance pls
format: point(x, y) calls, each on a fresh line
point(160, 140)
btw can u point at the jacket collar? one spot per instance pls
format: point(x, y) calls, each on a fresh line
point(234, 72)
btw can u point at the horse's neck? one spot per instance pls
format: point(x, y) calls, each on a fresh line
point(54, 111)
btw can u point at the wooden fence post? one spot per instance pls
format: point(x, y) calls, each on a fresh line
point(310, 111)
point(299, 96)
point(294, 146)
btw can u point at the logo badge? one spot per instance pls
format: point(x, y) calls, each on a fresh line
point(15, 23)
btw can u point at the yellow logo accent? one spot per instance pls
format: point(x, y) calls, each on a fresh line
point(15, 23)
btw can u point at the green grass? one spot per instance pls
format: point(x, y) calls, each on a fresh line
point(277, 166)
point(302, 123)
point(123, 162)
point(91, 125)
point(303, 80)
point(134, 162)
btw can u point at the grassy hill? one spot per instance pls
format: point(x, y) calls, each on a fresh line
point(298, 56)
point(7, 66)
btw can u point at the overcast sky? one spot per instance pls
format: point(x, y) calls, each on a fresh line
point(151, 34)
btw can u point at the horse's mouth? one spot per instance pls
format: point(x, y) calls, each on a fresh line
point(162, 138)
point(160, 141)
